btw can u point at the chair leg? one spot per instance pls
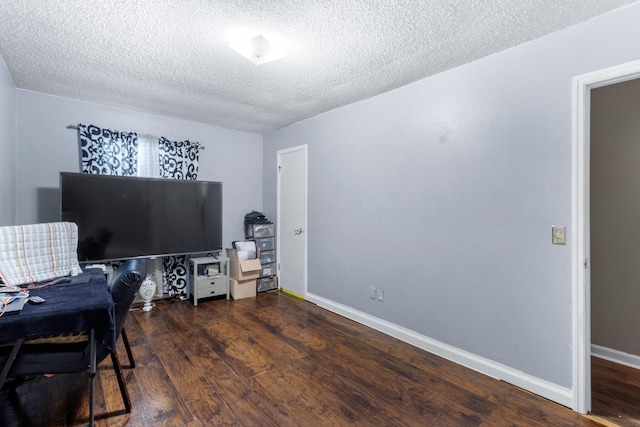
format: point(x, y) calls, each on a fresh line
point(121, 383)
point(125, 341)
point(12, 357)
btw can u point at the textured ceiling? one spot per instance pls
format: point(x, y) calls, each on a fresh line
point(171, 57)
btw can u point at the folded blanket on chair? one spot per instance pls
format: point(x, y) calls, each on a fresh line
point(37, 252)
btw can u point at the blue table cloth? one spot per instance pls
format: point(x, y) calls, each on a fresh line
point(73, 307)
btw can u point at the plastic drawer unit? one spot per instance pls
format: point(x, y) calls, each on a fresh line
point(267, 257)
point(266, 243)
point(268, 270)
point(258, 231)
point(267, 283)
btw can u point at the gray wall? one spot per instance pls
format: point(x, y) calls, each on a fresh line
point(46, 147)
point(7, 146)
point(615, 216)
point(443, 193)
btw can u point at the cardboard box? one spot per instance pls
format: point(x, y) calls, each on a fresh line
point(242, 270)
point(244, 289)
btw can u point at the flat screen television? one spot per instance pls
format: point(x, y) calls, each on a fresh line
point(129, 217)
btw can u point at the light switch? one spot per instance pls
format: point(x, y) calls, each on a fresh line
point(558, 234)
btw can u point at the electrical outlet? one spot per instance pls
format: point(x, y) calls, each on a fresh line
point(372, 292)
point(380, 295)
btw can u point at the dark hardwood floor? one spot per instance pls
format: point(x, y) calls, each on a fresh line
point(277, 361)
point(615, 392)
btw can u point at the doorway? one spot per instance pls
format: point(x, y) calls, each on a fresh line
point(292, 221)
point(582, 86)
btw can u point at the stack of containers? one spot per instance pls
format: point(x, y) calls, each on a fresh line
point(260, 229)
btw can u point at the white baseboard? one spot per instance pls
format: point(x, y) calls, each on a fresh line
point(616, 356)
point(546, 389)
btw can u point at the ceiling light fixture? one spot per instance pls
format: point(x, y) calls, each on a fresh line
point(257, 50)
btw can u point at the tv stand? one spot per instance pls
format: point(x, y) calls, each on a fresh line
point(209, 278)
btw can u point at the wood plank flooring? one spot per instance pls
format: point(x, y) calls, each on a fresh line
point(276, 361)
point(615, 392)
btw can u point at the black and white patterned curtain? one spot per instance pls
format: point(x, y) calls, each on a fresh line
point(178, 160)
point(107, 152)
point(111, 152)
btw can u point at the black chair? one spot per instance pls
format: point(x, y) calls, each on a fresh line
point(52, 357)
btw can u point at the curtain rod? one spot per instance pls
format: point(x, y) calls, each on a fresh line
point(144, 135)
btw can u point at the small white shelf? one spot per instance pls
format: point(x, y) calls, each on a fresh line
point(202, 285)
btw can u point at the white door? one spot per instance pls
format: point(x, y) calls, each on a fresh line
point(292, 220)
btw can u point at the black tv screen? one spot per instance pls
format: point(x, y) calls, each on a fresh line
point(129, 217)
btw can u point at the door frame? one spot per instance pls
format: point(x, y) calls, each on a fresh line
point(279, 155)
point(581, 261)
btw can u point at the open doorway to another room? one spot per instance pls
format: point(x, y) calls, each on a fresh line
point(606, 222)
point(615, 251)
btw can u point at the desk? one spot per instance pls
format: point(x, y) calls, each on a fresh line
point(68, 308)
